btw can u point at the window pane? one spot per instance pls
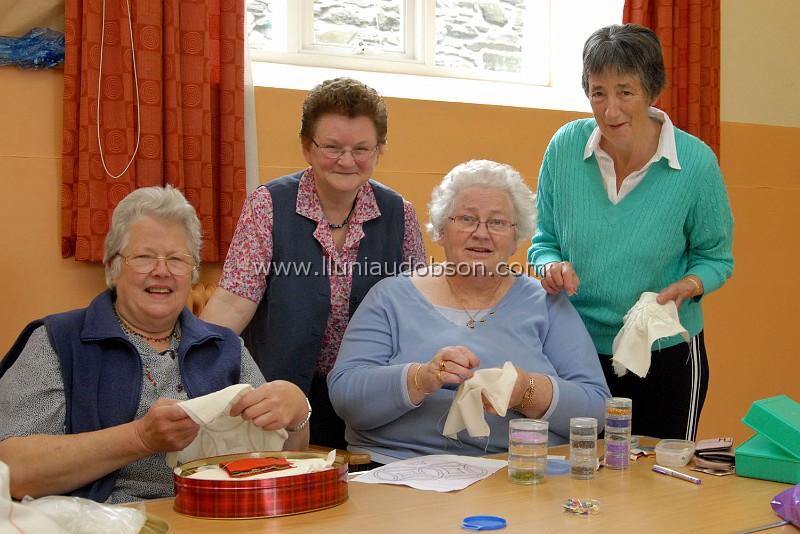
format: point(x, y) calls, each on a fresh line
point(266, 24)
point(487, 36)
point(366, 27)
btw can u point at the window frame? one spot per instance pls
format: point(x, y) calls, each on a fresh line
point(563, 91)
point(418, 59)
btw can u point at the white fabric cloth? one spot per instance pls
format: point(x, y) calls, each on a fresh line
point(466, 411)
point(16, 517)
point(219, 432)
point(646, 322)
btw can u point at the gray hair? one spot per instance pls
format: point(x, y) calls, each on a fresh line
point(626, 49)
point(165, 203)
point(483, 173)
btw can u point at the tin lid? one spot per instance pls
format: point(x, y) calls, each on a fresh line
point(483, 522)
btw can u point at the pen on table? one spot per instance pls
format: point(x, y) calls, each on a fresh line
point(676, 474)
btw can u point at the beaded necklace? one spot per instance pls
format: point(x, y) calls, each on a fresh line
point(128, 329)
point(346, 220)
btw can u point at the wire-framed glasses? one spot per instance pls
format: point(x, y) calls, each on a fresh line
point(360, 154)
point(177, 264)
point(468, 223)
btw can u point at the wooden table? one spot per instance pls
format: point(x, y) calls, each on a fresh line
point(633, 500)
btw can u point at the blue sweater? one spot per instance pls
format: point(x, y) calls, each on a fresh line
point(674, 223)
point(397, 326)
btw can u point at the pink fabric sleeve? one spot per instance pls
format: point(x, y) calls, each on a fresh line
point(246, 266)
point(413, 244)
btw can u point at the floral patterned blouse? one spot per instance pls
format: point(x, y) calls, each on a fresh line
point(250, 253)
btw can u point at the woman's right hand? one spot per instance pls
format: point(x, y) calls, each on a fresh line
point(166, 427)
point(449, 365)
point(560, 276)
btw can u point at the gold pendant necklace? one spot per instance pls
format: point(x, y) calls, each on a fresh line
point(473, 318)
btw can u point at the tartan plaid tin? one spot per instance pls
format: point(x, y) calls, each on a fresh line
point(248, 499)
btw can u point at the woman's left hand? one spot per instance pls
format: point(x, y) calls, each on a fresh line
point(683, 289)
point(520, 387)
point(273, 405)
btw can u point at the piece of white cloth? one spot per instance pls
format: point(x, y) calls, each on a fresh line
point(219, 432)
point(646, 322)
point(466, 411)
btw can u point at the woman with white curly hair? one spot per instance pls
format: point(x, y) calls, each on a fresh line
point(417, 337)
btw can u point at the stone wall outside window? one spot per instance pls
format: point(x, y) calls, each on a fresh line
point(484, 35)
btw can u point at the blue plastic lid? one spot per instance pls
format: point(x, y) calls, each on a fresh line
point(557, 466)
point(483, 522)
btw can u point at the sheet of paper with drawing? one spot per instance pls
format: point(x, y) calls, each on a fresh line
point(437, 472)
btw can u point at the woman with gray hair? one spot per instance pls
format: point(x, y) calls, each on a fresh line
point(634, 205)
point(100, 385)
point(417, 337)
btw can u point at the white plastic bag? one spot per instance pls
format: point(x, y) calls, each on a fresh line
point(17, 518)
point(85, 516)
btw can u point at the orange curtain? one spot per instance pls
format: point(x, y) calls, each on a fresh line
point(174, 116)
point(689, 33)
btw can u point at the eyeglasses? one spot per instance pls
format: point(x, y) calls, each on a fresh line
point(177, 264)
point(360, 154)
point(468, 223)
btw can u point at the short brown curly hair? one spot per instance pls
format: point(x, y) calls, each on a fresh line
point(343, 96)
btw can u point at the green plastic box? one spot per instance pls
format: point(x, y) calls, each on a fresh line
point(760, 457)
point(778, 419)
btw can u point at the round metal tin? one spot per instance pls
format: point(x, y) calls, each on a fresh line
point(248, 499)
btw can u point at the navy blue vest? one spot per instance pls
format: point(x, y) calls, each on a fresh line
point(285, 334)
point(102, 370)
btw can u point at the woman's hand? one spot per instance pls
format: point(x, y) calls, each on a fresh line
point(273, 405)
point(686, 288)
point(166, 427)
point(560, 276)
point(449, 365)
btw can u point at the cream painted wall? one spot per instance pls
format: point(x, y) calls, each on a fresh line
point(760, 62)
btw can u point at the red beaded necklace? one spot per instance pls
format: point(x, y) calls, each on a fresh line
point(128, 329)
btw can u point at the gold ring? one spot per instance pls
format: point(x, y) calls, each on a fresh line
point(442, 366)
point(439, 376)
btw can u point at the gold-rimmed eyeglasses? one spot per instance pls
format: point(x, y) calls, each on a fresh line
point(360, 154)
point(468, 223)
point(177, 264)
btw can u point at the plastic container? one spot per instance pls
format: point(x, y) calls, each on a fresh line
point(760, 457)
point(583, 447)
point(618, 432)
point(527, 451)
point(778, 419)
point(674, 452)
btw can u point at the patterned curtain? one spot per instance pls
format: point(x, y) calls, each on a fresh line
point(689, 33)
point(170, 111)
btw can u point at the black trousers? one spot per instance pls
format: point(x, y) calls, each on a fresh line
point(327, 428)
point(667, 402)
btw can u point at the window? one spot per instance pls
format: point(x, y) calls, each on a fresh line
point(500, 52)
point(449, 38)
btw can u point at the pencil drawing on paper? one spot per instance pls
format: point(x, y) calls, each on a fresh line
point(424, 469)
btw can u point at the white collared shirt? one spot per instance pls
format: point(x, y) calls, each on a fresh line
point(666, 149)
